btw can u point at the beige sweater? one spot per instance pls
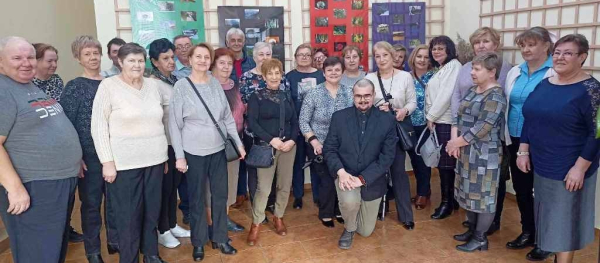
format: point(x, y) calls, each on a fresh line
point(438, 93)
point(400, 86)
point(127, 125)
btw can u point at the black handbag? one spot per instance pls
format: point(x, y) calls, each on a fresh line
point(262, 156)
point(231, 150)
point(405, 129)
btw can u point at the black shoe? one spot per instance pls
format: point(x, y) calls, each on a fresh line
point(153, 259)
point(340, 219)
point(464, 237)
point(298, 203)
point(210, 234)
point(75, 237)
point(444, 210)
point(466, 223)
point(112, 249)
point(96, 258)
point(346, 240)
point(524, 240)
point(329, 223)
point(478, 241)
point(456, 205)
point(408, 225)
point(233, 226)
point(380, 216)
point(266, 221)
point(493, 228)
point(271, 209)
point(198, 253)
point(186, 219)
point(225, 248)
point(536, 254)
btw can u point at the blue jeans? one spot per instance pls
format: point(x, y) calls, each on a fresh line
point(298, 176)
point(422, 172)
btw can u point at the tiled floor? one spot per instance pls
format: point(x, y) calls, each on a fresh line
point(309, 241)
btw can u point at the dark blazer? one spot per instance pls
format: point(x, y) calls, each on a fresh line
point(373, 159)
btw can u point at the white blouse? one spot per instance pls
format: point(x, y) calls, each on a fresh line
point(438, 93)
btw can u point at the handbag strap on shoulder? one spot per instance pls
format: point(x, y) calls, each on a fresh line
point(207, 110)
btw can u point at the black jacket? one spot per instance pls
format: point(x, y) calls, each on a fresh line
point(373, 159)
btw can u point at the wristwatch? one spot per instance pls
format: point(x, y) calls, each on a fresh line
point(522, 153)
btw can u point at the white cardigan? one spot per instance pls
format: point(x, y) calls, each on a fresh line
point(402, 90)
point(438, 93)
point(511, 78)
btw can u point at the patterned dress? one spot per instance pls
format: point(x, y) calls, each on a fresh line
point(480, 122)
point(251, 82)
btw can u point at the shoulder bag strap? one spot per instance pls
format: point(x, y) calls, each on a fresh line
point(282, 99)
point(207, 110)
point(381, 87)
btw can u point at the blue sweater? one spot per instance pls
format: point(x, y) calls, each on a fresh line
point(560, 126)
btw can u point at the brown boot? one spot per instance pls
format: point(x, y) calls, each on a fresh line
point(253, 234)
point(421, 202)
point(279, 226)
point(239, 201)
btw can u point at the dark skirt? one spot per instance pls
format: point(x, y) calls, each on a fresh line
point(564, 220)
point(443, 135)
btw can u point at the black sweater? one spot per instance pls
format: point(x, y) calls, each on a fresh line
point(263, 115)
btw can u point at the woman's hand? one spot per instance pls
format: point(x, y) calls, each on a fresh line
point(524, 163)
point(385, 106)
point(574, 179)
point(288, 145)
point(242, 152)
point(109, 172)
point(317, 147)
point(82, 169)
point(431, 125)
point(276, 143)
point(401, 114)
point(454, 153)
point(181, 165)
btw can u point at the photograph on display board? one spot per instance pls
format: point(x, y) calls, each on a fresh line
point(259, 24)
point(335, 24)
point(399, 23)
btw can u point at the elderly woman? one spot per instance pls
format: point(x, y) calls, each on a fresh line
point(400, 56)
point(45, 74)
point(479, 125)
point(317, 109)
point(131, 144)
point(352, 57)
point(161, 55)
point(399, 85)
point(438, 94)
point(77, 100)
point(536, 48)
point(189, 120)
point(565, 169)
point(483, 40)
point(264, 118)
point(303, 79)
point(319, 56)
point(421, 72)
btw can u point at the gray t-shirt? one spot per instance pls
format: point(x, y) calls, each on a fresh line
point(41, 141)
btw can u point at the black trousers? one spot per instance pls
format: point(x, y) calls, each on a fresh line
point(401, 186)
point(422, 172)
point(92, 188)
point(328, 200)
point(523, 185)
point(168, 208)
point(135, 197)
point(202, 170)
point(40, 234)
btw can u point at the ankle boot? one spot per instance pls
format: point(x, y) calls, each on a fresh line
point(198, 253)
point(464, 237)
point(280, 228)
point(225, 248)
point(478, 241)
point(253, 234)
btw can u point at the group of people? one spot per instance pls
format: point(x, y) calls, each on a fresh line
point(140, 138)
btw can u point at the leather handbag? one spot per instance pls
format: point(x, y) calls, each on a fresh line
point(405, 129)
point(231, 150)
point(430, 149)
point(262, 156)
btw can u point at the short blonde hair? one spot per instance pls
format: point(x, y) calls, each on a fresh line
point(208, 46)
point(271, 64)
point(481, 32)
point(399, 47)
point(413, 56)
point(82, 42)
point(385, 46)
point(347, 50)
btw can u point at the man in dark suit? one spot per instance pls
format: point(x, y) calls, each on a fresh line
point(359, 149)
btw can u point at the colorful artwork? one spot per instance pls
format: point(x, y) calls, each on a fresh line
point(338, 23)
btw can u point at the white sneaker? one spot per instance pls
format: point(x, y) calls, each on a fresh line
point(178, 231)
point(168, 240)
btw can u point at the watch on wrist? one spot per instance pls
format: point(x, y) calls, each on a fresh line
point(522, 153)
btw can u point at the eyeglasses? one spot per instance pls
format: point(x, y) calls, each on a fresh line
point(363, 97)
point(303, 55)
point(321, 58)
point(566, 54)
point(186, 46)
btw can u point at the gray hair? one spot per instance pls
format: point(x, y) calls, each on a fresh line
point(7, 40)
point(259, 46)
point(82, 42)
point(234, 31)
point(364, 83)
point(490, 61)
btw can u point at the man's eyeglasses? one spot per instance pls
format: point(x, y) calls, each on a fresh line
point(186, 46)
point(303, 55)
point(363, 97)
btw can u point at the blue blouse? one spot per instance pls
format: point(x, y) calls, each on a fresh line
point(418, 116)
point(523, 86)
point(560, 126)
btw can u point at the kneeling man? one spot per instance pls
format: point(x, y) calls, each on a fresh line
point(359, 150)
